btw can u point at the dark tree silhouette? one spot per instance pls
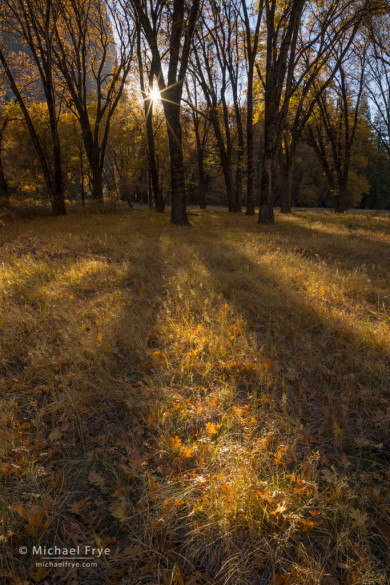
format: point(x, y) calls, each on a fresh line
point(176, 21)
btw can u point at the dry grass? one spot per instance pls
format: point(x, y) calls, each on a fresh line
point(211, 403)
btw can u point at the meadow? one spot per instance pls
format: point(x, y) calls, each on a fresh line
point(211, 403)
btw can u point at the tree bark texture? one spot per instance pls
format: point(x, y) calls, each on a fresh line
point(178, 190)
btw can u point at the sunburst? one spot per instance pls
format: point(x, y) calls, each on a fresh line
point(154, 95)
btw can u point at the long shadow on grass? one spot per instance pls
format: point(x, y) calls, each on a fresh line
point(334, 360)
point(321, 367)
point(348, 250)
point(84, 408)
point(324, 369)
point(319, 363)
point(350, 222)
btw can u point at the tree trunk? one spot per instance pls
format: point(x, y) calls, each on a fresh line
point(97, 182)
point(159, 204)
point(266, 211)
point(286, 173)
point(228, 176)
point(270, 159)
point(58, 199)
point(226, 163)
point(201, 181)
point(4, 191)
point(250, 198)
point(94, 156)
point(287, 168)
point(154, 180)
point(340, 201)
point(150, 190)
point(58, 202)
point(238, 194)
point(201, 175)
point(178, 208)
point(240, 152)
point(81, 158)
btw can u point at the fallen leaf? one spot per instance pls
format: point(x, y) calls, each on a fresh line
point(280, 508)
point(359, 519)
point(20, 509)
point(306, 525)
point(327, 475)
point(96, 479)
point(119, 510)
point(212, 430)
point(77, 507)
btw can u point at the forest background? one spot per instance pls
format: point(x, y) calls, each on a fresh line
point(223, 103)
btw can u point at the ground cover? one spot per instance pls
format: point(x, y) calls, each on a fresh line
point(211, 403)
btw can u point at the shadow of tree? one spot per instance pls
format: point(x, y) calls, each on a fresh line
point(328, 351)
point(328, 374)
point(120, 342)
point(338, 246)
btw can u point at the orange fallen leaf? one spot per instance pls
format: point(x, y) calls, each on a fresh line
point(20, 509)
point(279, 453)
point(186, 452)
point(307, 525)
point(212, 430)
point(175, 442)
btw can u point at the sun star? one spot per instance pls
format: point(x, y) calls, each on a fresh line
point(154, 95)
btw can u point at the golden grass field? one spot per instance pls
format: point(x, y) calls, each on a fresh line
point(210, 403)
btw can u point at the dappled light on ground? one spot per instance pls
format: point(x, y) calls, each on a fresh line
point(210, 404)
